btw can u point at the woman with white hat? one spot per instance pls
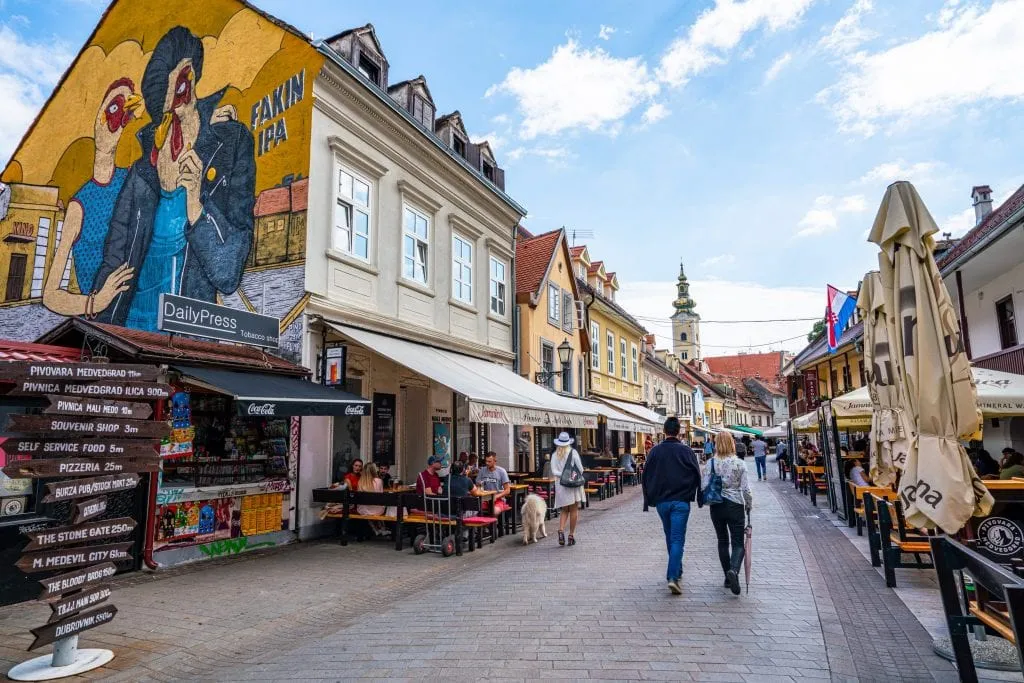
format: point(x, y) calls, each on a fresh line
point(567, 498)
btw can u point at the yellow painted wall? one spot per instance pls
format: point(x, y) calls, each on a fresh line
point(715, 410)
point(614, 386)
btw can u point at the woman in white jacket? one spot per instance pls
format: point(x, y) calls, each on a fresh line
point(567, 498)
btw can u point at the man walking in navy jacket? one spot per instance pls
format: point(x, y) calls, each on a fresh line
point(671, 480)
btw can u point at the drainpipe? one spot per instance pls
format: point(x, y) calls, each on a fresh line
point(515, 306)
point(964, 331)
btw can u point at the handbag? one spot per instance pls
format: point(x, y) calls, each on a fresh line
point(572, 475)
point(712, 493)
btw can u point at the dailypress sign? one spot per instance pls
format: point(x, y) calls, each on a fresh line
point(514, 415)
point(182, 315)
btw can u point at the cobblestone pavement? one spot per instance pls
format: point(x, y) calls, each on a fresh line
point(596, 610)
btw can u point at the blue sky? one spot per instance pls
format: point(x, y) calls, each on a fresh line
point(753, 139)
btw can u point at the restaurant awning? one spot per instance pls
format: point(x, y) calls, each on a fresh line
point(645, 414)
point(619, 421)
point(263, 395)
point(704, 430)
point(747, 430)
point(776, 432)
point(806, 423)
point(496, 394)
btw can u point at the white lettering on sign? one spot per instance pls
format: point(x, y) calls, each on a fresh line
point(355, 410)
point(83, 623)
point(266, 409)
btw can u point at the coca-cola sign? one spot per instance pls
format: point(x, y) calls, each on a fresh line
point(357, 410)
point(261, 409)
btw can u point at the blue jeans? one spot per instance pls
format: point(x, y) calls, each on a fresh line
point(762, 466)
point(674, 516)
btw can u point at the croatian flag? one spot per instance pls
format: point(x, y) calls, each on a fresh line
point(837, 313)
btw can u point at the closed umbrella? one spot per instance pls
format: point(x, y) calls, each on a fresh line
point(889, 430)
point(748, 545)
point(939, 487)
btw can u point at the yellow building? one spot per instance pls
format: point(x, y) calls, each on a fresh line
point(31, 217)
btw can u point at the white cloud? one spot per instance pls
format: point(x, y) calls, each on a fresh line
point(973, 57)
point(577, 88)
point(28, 72)
point(719, 29)
point(494, 139)
point(500, 119)
point(822, 218)
point(777, 66)
point(848, 34)
point(728, 300)
point(606, 32)
point(552, 154)
point(852, 204)
point(892, 171)
point(720, 260)
point(656, 112)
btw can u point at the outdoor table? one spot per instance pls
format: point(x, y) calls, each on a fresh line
point(604, 479)
point(519, 476)
point(518, 495)
point(549, 484)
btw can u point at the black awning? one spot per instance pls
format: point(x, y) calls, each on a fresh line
point(262, 395)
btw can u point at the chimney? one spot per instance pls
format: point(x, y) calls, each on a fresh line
point(982, 196)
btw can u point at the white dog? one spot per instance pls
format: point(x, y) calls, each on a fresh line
point(533, 512)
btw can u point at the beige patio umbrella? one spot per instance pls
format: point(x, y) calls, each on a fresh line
point(890, 432)
point(939, 487)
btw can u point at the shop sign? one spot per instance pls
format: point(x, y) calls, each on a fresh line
point(181, 315)
point(621, 426)
point(97, 407)
point(82, 372)
point(48, 560)
point(79, 533)
point(811, 386)
point(81, 467)
point(96, 426)
point(82, 488)
point(516, 415)
point(79, 601)
point(334, 365)
point(73, 581)
point(149, 391)
point(384, 428)
point(89, 509)
point(292, 408)
point(71, 626)
point(482, 439)
point(58, 448)
point(1001, 537)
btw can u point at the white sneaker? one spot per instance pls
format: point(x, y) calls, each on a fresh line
point(673, 586)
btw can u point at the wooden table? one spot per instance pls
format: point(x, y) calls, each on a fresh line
point(518, 495)
point(519, 476)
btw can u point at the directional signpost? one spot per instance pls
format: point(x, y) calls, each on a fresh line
point(95, 438)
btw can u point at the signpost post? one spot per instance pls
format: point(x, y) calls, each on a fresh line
point(97, 432)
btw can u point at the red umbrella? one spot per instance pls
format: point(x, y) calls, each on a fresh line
point(748, 542)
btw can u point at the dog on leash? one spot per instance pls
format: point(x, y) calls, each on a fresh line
point(533, 512)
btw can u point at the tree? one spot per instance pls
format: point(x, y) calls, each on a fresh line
point(816, 331)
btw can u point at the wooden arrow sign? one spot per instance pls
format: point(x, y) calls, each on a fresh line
point(48, 560)
point(95, 426)
point(97, 407)
point(147, 391)
point(79, 533)
point(80, 467)
point(89, 598)
point(80, 578)
point(87, 372)
point(72, 447)
point(83, 488)
point(89, 509)
point(71, 626)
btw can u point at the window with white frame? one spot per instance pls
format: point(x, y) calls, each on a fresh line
point(554, 305)
point(415, 244)
point(39, 266)
point(636, 363)
point(568, 311)
point(352, 215)
point(595, 348)
point(462, 269)
point(622, 356)
point(610, 351)
point(497, 286)
point(547, 363)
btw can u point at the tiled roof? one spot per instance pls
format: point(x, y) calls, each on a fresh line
point(819, 349)
point(990, 224)
point(12, 350)
point(523, 233)
point(272, 201)
point(533, 256)
point(763, 365)
point(576, 251)
point(159, 347)
point(587, 289)
point(774, 386)
point(300, 194)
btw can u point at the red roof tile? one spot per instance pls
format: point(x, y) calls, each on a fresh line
point(12, 350)
point(533, 256)
point(576, 251)
point(761, 365)
point(272, 201)
point(300, 194)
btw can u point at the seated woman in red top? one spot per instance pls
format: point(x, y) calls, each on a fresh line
point(355, 470)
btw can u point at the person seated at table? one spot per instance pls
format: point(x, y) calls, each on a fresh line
point(857, 474)
point(384, 470)
point(984, 464)
point(355, 470)
point(494, 478)
point(428, 481)
point(472, 465)
point(370, 480)
point(627, 463)
point(1013, 466)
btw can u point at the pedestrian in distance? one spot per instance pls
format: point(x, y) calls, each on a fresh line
point(567, 498)
point(760, 449)
point(671, 477)
point(709, 447)
point(728, 515)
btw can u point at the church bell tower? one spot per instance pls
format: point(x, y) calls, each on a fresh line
point(685, 322)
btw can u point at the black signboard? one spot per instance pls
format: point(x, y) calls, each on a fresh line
point(71, 626)
point(482, 439)
point(89, 509)
point(79, 533)
point(80, 578)
point(81, 372)
point(83, 488)
point(384, 429)
point(97, 407)
point(79, 601)
point(138, 391)
point(71, 447)
point(48, 560)
point(202, 319)
point(88, 426)
point(80, 467)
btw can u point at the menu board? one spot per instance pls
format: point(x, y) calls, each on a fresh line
point(833, 461)
point(811, 386)
point(384, 429)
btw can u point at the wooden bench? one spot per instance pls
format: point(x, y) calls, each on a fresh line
point(784, 469)
point(895, 541)
point(856, 516)
point(815, 482)
point(997, 604)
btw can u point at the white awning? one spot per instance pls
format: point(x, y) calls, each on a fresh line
point(644, 413)
point(496, 394)
point(776, 432)
point(806, 423)
point(621, 422)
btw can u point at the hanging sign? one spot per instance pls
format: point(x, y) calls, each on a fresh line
point(183, 315)
point(97, 407)
point(515, 415)
point(78, 467)
point(811, 387)
point(48, 560)
point(89, 509)
point(14, 448)
point(101, 426)
point(69, 490)
point(79, 601)
point(79, 533)
point(71, 626)
point(335, 362)
point(83, 372)
point(123, 390)
point(80, 578)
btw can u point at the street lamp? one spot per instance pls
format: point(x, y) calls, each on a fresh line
point(565, 358)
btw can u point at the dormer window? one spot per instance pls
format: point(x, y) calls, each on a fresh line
point(369, 68)
point(423, 111)
point(459, 145)
point(488, 170)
